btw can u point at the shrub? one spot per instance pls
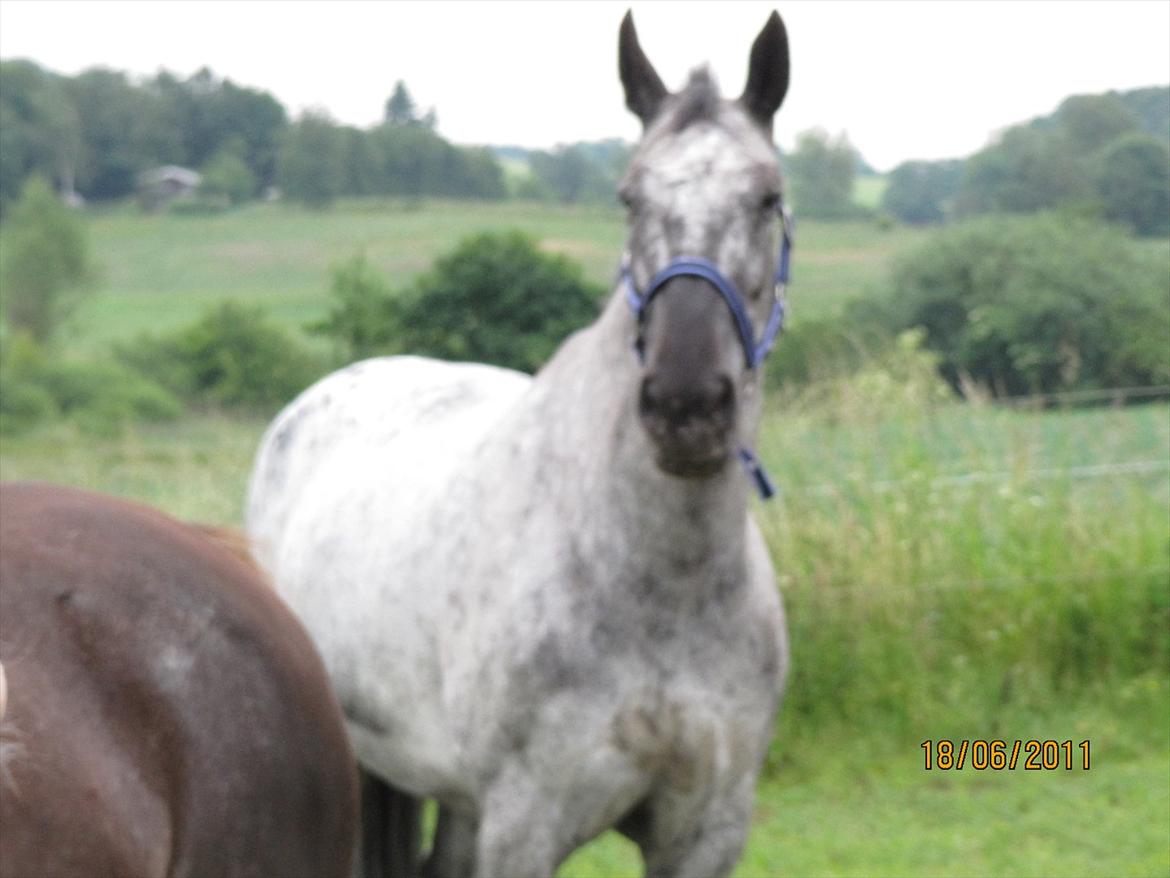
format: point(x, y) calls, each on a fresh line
point(496, 298)
point(824, 348)
point(895, 378)
point(363, 310)
point(1036, 305)
point(99, 394)
point(233, 356)
point(23, 405)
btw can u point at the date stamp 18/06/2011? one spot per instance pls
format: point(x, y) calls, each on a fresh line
point(1031, 755)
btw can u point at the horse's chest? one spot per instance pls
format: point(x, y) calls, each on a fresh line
point(683, 739)
point(672, 701)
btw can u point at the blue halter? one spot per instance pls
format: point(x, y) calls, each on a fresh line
point(754, 351)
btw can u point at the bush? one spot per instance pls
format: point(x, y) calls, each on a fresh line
point(100, 395)
point(824, 348)
point(233, 356)
point(1037, 305)
point(363, 311)
point(896, 378)
point(496, 298)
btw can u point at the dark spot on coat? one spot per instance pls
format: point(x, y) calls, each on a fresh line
point(553, 668)
point(355, 711)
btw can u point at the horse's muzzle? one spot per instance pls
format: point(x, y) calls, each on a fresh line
point(690, 426)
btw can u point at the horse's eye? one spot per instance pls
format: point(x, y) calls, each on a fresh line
point(770, 201)
point(626, 198)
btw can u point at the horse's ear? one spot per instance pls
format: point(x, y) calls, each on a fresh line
point(767, 72)
point(644, 89)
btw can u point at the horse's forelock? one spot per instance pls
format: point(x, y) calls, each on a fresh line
point(699, 101)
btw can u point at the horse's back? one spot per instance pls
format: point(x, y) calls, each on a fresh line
point(169, 715)
point(399, 421)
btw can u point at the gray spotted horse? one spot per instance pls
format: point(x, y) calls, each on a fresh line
point(543, 600)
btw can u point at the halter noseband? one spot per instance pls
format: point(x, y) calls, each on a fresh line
point(754, 352)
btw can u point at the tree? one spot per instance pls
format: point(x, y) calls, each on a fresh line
point(209, 113)
point(40, 130)
point(1056, 161)
point(1090, 122)
point(1133, 181)
point(573, 175)
point(1028, 169)
point(1037, 304)
point(416, 161)
point(45, 266)
point(922, 192)
point(227, 176)
point(363, 176)
point(822, 171)
point(400, 107)
point(125, 130)
point(310, 168)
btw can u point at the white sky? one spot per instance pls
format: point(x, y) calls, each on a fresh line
point(904, 79)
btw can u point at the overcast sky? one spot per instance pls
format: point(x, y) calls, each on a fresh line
point(903, 79)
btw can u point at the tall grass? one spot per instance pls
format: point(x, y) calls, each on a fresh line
point(948, 568)
point(1030, 603)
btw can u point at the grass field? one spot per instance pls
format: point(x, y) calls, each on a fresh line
point(949, 571)
point(872, 568)
point(868, 191)
point(160, 272)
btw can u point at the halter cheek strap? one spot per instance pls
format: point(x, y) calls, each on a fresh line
point(754, 351)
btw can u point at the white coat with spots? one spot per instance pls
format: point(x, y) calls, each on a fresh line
point(527, 614)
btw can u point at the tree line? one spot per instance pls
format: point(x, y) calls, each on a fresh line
point(1105, 155)
point(92, 135)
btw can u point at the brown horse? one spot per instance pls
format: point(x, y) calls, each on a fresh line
point(166, 714)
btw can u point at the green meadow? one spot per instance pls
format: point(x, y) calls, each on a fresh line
point(950, 571)
point(161, 272)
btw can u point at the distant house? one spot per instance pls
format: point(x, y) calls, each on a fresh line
point(158, 187)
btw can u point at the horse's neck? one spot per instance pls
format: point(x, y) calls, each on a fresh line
point(626, 509)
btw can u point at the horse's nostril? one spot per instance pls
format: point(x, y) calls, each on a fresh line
point(726, 393)
point(713, 398)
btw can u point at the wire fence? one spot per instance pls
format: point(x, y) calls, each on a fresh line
point(1116, 396)
point(1087, 471)
point(839, 589)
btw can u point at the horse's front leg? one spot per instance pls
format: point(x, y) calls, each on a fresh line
point(688, 838)
point(518, 829)
point(453, 853)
